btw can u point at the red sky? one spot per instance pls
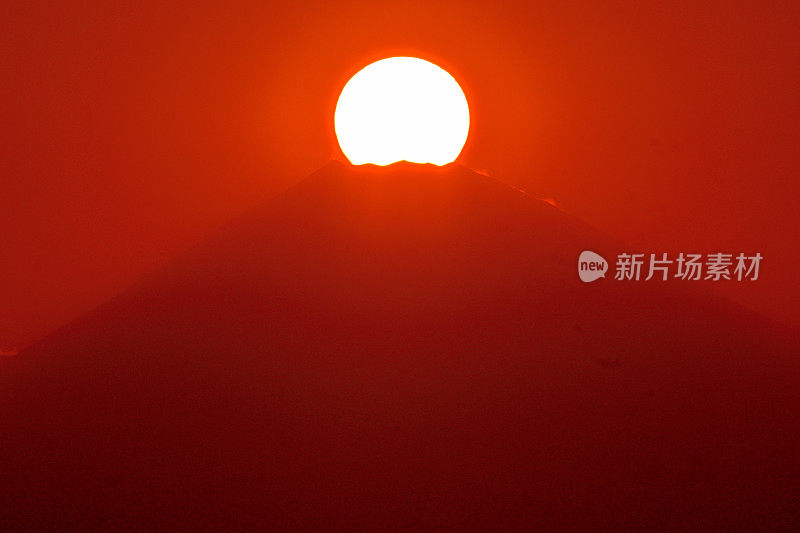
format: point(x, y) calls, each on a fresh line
point(132, 130)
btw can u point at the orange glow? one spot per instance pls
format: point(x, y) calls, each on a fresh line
point(402, 109)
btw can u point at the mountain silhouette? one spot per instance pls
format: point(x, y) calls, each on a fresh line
point(403, 346)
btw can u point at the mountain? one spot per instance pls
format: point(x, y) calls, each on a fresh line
point(403, 346)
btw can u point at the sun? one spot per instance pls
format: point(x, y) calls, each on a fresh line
point(402, 109)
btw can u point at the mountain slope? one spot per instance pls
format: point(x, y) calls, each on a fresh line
point(403, 346)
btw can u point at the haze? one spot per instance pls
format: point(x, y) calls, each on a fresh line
point(131, 131)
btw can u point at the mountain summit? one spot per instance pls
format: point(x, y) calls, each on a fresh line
point(403, 346)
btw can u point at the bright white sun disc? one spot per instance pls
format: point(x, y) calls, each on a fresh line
point(402, 109)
